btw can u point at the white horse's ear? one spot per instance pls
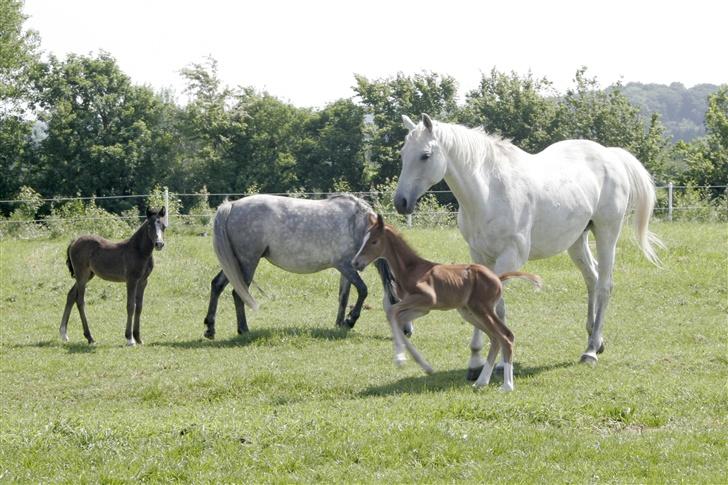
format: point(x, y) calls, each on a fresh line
point(427, 121)
point(408, 123)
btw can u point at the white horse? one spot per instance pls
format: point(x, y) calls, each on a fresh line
point(515, 206)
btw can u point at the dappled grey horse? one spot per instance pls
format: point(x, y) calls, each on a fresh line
point(297, 235)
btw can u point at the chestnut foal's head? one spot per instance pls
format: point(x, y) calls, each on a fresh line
point(372, 247)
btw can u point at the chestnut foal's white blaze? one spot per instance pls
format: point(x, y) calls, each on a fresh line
point(514, 206)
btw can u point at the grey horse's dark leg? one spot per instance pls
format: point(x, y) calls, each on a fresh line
point(240, 313)
point(388, 282)
point(218, 284)
point(344, 290)
point(361, 289)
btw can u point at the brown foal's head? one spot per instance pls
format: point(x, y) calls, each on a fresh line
point(156, 226)
point(373, 245)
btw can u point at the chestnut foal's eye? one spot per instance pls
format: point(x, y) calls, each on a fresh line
point(424, 156)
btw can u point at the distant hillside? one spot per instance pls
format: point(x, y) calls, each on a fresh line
point(682, 110)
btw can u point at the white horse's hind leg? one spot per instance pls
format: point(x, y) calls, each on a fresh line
point(582, 257)
point(606, 239)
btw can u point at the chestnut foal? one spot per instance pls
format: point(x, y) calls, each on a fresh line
point(422, 286)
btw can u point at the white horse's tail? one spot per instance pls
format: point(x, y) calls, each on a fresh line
point(642, 197)
point(226, 256)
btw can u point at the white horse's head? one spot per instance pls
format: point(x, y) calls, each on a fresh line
point(423, 164)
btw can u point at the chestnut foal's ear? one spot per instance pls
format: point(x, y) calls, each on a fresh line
point(380, 222)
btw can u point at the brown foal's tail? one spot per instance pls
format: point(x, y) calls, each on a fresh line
point(68, 259)
point(535, 279)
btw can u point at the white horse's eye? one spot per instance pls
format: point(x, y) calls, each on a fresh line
point(425, 156)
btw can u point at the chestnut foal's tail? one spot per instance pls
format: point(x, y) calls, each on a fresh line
point(535, 279)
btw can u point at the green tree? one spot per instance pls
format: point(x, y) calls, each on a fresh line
point(266, 151)
point(608, 117)
point(333, 149)
point(105, 136)
point(386, 100)
point(18, 57)
point(522, 109)
point(208, 125)
point(704, 161)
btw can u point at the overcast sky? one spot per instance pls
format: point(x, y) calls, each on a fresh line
point(307, 51)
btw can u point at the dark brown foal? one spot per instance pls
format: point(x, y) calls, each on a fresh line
point(472, 289)
point(127, 261)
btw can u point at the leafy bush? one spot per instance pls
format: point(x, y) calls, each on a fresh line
point(76, 217)
point(428, 213)
point(21, 223)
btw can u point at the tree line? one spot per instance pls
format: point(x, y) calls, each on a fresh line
point(80, 126)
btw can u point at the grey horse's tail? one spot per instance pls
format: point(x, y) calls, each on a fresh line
point(226, 256)
point(68, 259)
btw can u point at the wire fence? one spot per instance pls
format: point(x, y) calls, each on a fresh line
point(670, 201)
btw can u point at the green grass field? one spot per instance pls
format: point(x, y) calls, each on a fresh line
point(297, 400)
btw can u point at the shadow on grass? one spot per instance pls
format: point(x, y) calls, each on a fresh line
point(264, 336)
point(70, 347)
point(454, 378)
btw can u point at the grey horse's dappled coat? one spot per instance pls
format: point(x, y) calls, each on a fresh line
point(297, 235)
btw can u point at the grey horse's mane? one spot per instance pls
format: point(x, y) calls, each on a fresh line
point(362, 205)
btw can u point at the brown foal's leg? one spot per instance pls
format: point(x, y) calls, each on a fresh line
point(70, 300)
point(131, 289)
point(139, 303)
point(81, 304)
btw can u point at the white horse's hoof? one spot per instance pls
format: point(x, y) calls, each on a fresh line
point(505, 388)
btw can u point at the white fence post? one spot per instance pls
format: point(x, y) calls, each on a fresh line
point(409, 220)
point(166, 206)
point(669, 201)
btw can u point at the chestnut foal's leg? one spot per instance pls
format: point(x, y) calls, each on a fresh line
point(483, 379)
point(407, 310)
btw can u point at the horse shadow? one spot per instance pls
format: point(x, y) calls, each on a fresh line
point(70, 347)
point(441, 381)
point(265, 336)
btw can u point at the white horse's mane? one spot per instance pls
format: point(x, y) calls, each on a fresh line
point(474, 147)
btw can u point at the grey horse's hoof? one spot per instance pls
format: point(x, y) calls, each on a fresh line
point(588, 359)
point(474, 373)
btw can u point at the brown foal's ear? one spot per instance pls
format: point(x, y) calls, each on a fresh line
point(162, 211)
point(150, 213)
